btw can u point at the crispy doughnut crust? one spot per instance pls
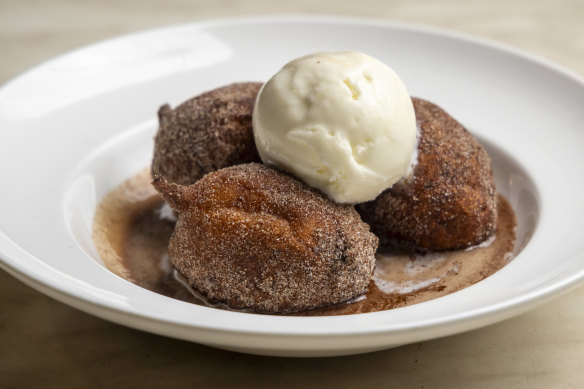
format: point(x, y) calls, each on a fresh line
point(256, 238)
point(206, 133)
point(450, 202)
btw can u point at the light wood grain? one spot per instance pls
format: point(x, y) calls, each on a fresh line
point(44, 343)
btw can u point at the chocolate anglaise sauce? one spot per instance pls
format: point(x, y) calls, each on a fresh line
point(132, 228)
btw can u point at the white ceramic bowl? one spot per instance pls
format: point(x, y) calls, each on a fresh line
point(75, 127)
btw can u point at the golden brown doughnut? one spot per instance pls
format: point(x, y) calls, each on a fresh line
point(449, 202)
point(206, 133)
point(258, 239)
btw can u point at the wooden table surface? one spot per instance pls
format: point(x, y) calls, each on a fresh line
point(45, 344)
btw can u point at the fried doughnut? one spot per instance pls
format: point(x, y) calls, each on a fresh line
point(255, 238)
point(449, 202)
point(206, 133)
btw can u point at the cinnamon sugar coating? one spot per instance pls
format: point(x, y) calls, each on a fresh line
point(449, 202)
point(258, 239)
point(206, 133)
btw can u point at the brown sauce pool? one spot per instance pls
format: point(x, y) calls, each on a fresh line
point(132, 228)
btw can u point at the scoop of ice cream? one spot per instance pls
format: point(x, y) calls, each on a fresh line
point(342, 122)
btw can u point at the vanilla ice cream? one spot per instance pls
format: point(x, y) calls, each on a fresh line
point(342, 122)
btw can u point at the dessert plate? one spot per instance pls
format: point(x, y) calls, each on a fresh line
point(77, 126)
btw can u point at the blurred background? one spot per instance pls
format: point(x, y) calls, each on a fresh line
point(44, 343)
point(34, 30)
